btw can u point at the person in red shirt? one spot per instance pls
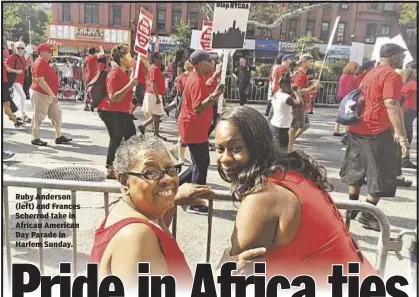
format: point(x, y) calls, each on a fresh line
point(347, 83)
point(410, 108)
point(115, 109)
point(5, 99)
point(90, 69)
point(372, 151)
point(16, 63)
point(153, 98)
point(195, 119)
point(284, 204)
point(300, 122)
point(44, 96)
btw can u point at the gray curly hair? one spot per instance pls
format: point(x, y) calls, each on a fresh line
point(126, 155)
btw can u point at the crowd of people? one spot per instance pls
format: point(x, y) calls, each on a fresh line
point(283, 193)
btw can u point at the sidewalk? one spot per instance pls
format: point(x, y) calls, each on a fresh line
point(89, 148)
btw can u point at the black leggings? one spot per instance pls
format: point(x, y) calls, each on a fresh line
point(120, 126)
point(409, 117)
point(197, 172)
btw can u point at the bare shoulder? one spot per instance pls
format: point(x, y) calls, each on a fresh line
point(136, 234)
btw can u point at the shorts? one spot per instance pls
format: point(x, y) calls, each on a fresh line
point(375, 158)
point(5, 92)
point(281, 137)
point(300, 119)
point(139, 95)
point(150, 105)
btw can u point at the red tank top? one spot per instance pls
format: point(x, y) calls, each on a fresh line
point(322, 238)
point(175, 260)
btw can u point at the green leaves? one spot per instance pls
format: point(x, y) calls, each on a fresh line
point(408, 14)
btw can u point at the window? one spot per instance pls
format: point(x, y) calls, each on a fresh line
point(385, 30)
point(310, 28)
point(193, 20)
point(371, 31)
point(66, 12)
point(376, 6)
point(292, 32)
point(116, 15)
point(389, 6)
point(344, 6)
point(324, 34)
point(161, 18)
point(176, 18)
point(340, 33)
point(91, 13)
point(267, 33)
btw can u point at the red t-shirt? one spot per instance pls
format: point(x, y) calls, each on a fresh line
point(279, 71)
point(20, 65)
point(41, 68)
point(193, 128)
point(91, 63)
point(181, 81)
point(347, 83)
point(115, 81)
point(382, 83)
point(4, 73)
point(410, 93)
point(213, 86)
point(155, 74)
point(142, 73)
point(300, 80)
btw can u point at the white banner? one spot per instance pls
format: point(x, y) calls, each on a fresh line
point(229, 25)
point(376, 51)
point(357, 52)
point(143, 34)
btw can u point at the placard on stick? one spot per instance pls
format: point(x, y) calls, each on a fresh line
point(142, 36)
point(206, 36)
point(229, 25)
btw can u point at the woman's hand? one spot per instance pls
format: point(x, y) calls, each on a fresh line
point(188, 192)
point(133, 81)
point(244, 260)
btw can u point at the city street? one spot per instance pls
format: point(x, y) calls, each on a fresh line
point(89, 148)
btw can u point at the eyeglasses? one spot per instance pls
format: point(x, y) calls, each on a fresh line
point(157, 174)
point(20, 48)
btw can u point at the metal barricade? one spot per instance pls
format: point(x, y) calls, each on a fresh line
point(384, 246)
point(327, 95)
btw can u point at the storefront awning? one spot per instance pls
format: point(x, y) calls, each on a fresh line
point(80, 43)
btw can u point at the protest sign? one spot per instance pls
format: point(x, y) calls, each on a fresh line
point(357, 52)
point(206, 36)
point(229, 25)
point(142, 37)
point(378, 43)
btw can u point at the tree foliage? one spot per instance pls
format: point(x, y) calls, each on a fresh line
point(306, 44)
point(16, 18)
point(408, 14)
point(182, 38)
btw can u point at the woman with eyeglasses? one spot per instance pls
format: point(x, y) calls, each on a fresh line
point(114, 110)
point(136, 229)
point(284, 202)
point(16, 66)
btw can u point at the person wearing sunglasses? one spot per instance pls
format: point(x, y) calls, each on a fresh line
point(44, 96)
point(136, 229)
point(16, 66)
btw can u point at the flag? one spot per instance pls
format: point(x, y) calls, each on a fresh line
point(157, 44)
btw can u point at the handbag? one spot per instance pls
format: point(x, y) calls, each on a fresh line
point(13, 106)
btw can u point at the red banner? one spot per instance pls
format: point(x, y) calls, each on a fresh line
point(206, 36)
point(143, 34)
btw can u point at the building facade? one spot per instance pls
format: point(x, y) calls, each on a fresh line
point(112, 23)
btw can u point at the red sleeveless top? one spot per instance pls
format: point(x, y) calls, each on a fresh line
point(175, 260)
point(322, 238)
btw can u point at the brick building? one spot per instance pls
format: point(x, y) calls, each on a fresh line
point(112, 23)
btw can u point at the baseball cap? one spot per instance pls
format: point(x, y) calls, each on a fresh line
point(390, 49)
point(287, 57)
point(44, 47)
point(305, 57)
point(368, 64)
point(199, 56)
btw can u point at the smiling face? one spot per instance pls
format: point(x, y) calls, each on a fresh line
point(231, 152)
point(152, 197)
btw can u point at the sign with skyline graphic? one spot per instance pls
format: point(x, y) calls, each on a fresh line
point(229, 25)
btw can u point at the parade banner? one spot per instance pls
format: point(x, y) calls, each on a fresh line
point(357, 52)
point(206, 36)
point(229, 25)
point(142, 37)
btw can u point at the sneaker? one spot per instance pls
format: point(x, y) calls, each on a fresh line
point(345, 139)
point(8, 155)
point(310, 112)
point(197, 209)
point(368, 220)
point(167, 111)
point(141, 128)
point(62, 140)
point(39, 142)
point(409, 164)
point(402, 182)
point(86, 108)
point(186, 163)
point(19, 124)
point(134, 118)
point(337, 134)
point(27, 120)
